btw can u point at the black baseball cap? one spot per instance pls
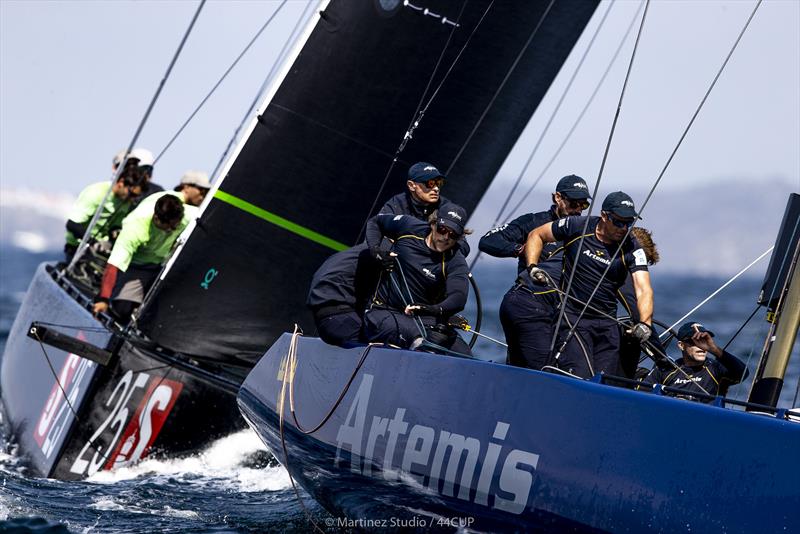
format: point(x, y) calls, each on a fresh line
point(621, 205)
point(453, 216)
point(574, 187)
point(687, 330)
point(422, 172)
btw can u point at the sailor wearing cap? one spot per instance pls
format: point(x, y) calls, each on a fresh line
point(428, 283)
point(526, 312)
point(594, 347)
point(421, 197)
point(142, 161)
point(694, 371)
point(124, 194)
point(194, 186)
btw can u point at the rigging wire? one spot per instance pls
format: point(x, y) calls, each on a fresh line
point(525, 167)
point(720, 288)
point(580, 115)
point(278, 60)
point(500, 87)
point(219, 82)
point(419, 112)
point(562, 308)
point(661, 174)
point(550, 120)
point(87, 235)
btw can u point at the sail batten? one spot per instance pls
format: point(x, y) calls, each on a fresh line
point(310, 166)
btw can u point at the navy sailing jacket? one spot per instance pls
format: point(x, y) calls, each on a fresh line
point(715, 375)
point(432, 277)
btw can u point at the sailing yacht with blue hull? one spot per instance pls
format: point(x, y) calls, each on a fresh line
point(436, 437)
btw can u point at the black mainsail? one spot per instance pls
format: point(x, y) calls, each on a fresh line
point(307, 174)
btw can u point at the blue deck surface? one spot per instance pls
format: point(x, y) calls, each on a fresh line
point(424, 435)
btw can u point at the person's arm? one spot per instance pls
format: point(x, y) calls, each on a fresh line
point(77, 229)
point(456, 293)
point(644, 296)
point(507, 241)
point(736, 370)
point(372, 225)
point(106, 287)
point(535, 242)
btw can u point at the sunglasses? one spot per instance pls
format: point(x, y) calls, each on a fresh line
point(579, 204)
point(620, 223)
point(443, 230)
point(433, 182)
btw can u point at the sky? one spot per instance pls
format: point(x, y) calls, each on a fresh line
point(77, 76)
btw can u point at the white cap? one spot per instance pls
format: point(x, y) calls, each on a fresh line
point(196, 178)
point(119, 157)
point(144, 156)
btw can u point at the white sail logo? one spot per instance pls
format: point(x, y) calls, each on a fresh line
point(451, 464)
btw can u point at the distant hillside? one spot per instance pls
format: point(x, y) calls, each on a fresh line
point(714, 229)
point(33, 220)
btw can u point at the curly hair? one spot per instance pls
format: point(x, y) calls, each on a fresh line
point(645, 238)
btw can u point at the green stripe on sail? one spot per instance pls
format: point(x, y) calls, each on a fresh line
point(279, 221)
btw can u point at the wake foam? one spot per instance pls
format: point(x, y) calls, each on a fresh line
point(238, 462)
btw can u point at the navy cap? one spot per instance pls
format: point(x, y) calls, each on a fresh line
point(453, 216)
point(621, 205)
point(687, 330)
point(422, 172)
point(573, 186)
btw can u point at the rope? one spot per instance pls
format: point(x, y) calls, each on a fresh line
point(714, 294)
point(549, 121)
point(216, 85)
point(87, 235)
point(289, 365)
point(580, 116)
point(261, 89)
point(663, 171)
point(418, 115)
point(562, 308)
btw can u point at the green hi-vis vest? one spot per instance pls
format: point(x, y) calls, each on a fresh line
point(114, 210)
point(140, 241)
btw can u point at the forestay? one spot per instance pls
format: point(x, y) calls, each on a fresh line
point(315, 158)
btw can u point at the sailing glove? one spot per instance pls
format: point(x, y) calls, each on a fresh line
point(416, 308)
point(537, 274)
point(383, 257)
point(641, 331)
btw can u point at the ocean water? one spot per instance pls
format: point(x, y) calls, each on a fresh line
point(234, 485)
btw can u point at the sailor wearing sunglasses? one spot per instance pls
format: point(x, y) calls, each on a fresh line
point(527, 310)
point(427, 284)
point(594, 347)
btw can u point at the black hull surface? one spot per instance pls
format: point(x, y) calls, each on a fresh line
point(71, 417)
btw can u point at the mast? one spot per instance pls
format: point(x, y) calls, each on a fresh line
point(781, 294)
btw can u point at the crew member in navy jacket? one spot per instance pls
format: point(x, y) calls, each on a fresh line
point(425, 278)
point(421, 198)
point(339, 293)
point(694, 371)
point(594, 345)
point(527, 310)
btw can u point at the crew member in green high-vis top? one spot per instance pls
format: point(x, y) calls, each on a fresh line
point(144, 244)
point(119, 203)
